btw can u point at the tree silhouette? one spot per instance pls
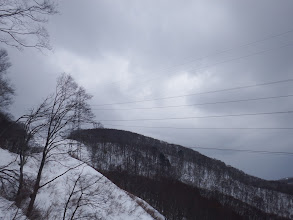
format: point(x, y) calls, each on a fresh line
point(54, 119)
point(6, 90)
point(21, 22)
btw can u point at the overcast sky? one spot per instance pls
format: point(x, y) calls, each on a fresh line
point(124, 51)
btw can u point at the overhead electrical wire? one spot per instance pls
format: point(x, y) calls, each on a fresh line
point(226, 149)
point(219, 63)
point(203, 128)
point(198, 104)
point(201, 117)
point(246, 150)
point(266, 38)
point(221, 102)
point(199, 93)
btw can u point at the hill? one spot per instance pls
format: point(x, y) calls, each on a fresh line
point(288, 180)
point(81, 193)
point(171, 178)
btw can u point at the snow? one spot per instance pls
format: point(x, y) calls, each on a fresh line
point(9, 211)
point(95, 196)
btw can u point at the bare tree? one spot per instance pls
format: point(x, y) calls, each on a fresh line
point(18, 138)
point(98, 125)
point(24, 149)
point(6, 90)
point(6, 93)
point(21, 22)
point(55, 119)
point(79, 113)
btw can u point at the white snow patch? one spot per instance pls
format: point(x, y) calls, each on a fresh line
point(94, 196)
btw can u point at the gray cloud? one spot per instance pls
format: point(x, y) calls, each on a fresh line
point(124, 51)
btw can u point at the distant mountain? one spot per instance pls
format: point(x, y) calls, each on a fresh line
point(182, 183)
point(288, 180)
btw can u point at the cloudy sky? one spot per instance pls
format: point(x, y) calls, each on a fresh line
point(145, 54)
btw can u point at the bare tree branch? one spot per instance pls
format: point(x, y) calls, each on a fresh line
point(6, 90)
point(19, 19)
point(60, 175)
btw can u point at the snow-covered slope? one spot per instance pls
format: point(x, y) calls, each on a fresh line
point(82, 192)
point(9, 211)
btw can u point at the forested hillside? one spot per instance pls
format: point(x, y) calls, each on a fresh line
point(153, 169)
point(287, 180)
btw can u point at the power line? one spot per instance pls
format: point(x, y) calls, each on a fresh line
point(200, 104)
point(229, 149)
point(204, 128)
point(220, 52)
point(246, 150)
point(200, 93)
point(222, 62)
point(200, 117)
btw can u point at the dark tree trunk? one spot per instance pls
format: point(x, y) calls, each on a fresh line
point(20, 185)
point(36, 186)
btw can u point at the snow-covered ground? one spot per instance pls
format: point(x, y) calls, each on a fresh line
point(9, 211)
point(81, 192)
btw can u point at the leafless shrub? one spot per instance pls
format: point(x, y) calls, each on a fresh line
point(8, 180)
point(82, 192)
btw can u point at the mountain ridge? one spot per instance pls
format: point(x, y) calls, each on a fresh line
point(118, 150)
